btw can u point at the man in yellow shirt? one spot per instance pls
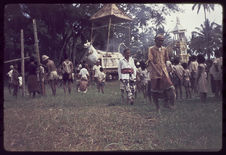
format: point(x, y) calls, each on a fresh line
point(160, 81)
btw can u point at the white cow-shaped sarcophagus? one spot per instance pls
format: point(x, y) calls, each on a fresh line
point(108, 60)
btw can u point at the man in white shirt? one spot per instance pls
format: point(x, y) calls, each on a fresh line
point(127, 76)
point(96, 70)
point(101, 80)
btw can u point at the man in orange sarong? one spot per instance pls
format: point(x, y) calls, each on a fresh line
point(161, 84)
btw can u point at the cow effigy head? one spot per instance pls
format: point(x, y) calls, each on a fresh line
point(87, 44)
point(91, 55)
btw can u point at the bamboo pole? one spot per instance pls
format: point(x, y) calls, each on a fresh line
point(94, 28)
point(38, 57)
point(109, 28)
point(19, 59)
point(22, 62)
point(36, 41)
point(91, 33)
point(129, 33)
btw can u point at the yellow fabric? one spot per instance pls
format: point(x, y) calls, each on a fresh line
point(157, 58)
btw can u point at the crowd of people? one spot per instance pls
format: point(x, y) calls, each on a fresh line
point(40, 75)
point(158, 77)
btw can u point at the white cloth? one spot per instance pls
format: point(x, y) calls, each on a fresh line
point(101, 76)
point(123, 63)
point(216, 63)
point(79, 67)
point(20, 81)
point(96, 70)
point(10, 73)
point(193, 66)
point(144, 76)
point(53, 75)
point(84, 73)
point(42, 73)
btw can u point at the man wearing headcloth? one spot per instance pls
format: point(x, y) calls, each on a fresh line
point(160, 81)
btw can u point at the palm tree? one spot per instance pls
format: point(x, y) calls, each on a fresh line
point(209, 36)
point(206, 7)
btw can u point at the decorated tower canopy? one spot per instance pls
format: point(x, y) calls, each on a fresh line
point(109, 15)
point(180, 41)
point(110, 11)
point(178, 31)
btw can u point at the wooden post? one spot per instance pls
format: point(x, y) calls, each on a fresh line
point(129, 33)
point(109, 28)
point(91, 33)
point(8, 61)
point(38, 57)
point(36, 41)
point(22, 62)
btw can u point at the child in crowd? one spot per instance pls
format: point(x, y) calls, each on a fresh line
point(144, 79)
point(84, 78)
point(101, 80)
point(186, 80)
point(178, 69)
point(201, 81)
point(193, 68)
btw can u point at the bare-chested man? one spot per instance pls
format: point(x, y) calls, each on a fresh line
point(52, 72)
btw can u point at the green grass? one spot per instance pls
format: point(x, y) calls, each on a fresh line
point(99, 122)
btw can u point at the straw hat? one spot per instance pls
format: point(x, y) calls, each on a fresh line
point(44, 57)
point(11, 66)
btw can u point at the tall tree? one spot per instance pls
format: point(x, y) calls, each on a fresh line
point(63, 28)
point(206, 8)
point(206, 39)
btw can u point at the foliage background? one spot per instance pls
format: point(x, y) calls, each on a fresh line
point(64, 28)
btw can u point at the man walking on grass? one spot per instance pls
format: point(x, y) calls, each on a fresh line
point(52, 73)
point(96, 70)
point(161, 84)
point(127, 76)
point(67, 74)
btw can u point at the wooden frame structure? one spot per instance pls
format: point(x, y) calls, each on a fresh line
point(22, 54)
point(108, 16)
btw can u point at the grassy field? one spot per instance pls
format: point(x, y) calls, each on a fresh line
point(99, 122)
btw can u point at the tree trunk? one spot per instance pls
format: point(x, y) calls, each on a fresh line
point(64, 46)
